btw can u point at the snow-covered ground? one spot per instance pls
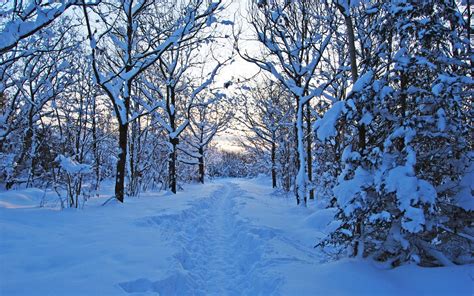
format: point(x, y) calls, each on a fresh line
point(228, 237)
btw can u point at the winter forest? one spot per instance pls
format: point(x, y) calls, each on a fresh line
point(226, 147)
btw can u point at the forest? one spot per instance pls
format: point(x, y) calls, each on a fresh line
point(358, 112)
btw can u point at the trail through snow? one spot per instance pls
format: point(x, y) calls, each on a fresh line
point(227, 237)
point(219, 254)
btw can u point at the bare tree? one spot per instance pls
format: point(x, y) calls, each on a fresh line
point(294, 35)
point(265, 113)
point(210, 115)
point(30, 84)
point(22, 19)
point(140, 32)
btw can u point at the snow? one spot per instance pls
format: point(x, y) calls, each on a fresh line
point(410, 191)
point(326, 127)
point(464, 197)
point(441, 122)
point(321, 219)
point(14, 30)
point(363, 81)
point(367, 118)
point(382, 216)
point(71, 166)
point(26, 198)
point(346, 190)
point(402, 180)
point(414, 219)
point(406, 132)
point(228, 237)
point(437, 89)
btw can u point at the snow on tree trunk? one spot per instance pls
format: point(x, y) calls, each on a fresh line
point(301, 177)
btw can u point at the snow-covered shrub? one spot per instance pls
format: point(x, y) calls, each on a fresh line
point(224, 163)
point(74, 174)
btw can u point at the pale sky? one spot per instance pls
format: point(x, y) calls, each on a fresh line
point(238, 69)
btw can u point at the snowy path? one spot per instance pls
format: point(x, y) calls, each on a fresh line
point(216, 251)
point(219, 254)
point(227, 237)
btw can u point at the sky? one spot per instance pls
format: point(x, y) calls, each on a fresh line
point(238, 70)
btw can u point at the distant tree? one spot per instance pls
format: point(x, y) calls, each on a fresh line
point(265, 113)
point(175, 92)
point(211, 114)
point(295, 35)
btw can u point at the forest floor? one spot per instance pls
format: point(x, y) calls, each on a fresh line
point(228, 237)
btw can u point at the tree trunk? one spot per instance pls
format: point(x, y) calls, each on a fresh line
point(123, 126)
point(308, 149)
point(274, 173)
point(133, 161)
point(400, 142)
point(358, 245)
point(289, 168)
point(95, 147)
point(352, 49)
point(469, 33)
point(25, 152)
point(300, 182)
point(201, 165)
point(121, 163)
point(171, 100)
point(172, 165)
point(78, 190)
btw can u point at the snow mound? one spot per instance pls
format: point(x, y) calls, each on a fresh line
point(320, 219)
point(22, 198)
